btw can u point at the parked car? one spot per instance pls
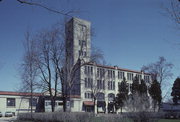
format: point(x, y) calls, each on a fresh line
point(0, 114)
point(8, 114)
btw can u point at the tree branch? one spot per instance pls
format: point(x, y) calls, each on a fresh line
point(47, 8)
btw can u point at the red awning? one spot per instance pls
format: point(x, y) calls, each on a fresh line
point(88, 103)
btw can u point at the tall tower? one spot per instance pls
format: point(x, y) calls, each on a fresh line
point(78, 46)
point(78, 43)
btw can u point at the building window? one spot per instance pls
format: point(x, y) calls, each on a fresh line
point(120, 75)
point(129, 76)
point(139, 76)
point(72, 103)
point(34, 102)
point(100, 72)
point(91, 70)
point(109, 73)
point(58, 103)
point(100, 84)
point(111, 85)
point(146, 78)
point(88, 70)
point(47, 103)
point(83, 43)
point(85, 69)
point(113, 74)
point(82, 32)
point(88, 82)
point(88, 95)
point(11, 102)
point(80, 53)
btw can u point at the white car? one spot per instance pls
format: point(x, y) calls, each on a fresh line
point(8, 114)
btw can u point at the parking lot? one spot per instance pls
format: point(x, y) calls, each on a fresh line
point(7, 119)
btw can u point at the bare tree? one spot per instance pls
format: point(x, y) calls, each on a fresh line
point(174, 11)
point(40, 4)
point(50, 51)
point(97, 55)
point(28, 68)
point(160, 71)
point(98, 87)
point(44, 59)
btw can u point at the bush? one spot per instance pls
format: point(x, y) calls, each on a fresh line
point(90, 117)
point(144, 116)
point(72, 117)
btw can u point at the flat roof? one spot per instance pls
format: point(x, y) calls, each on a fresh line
point(118, 68)
point(12, 93)
point(19, 93)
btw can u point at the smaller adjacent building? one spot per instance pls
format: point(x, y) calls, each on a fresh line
point(17, 102)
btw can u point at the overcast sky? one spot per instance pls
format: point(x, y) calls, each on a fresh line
point(131, 33)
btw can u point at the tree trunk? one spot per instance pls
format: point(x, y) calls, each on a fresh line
point(64, 103)
point(154, 106)
point(121, 110)
point(52, 104)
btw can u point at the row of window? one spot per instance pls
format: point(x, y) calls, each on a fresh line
point(11, 102)
point(111, 74)
point(100, 84)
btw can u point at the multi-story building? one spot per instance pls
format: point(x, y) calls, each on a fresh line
point(91, 78)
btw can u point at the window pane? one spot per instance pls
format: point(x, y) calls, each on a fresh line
point(34, 102)
point(11, 102)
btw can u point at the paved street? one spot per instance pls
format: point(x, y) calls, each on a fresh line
point(7, 119)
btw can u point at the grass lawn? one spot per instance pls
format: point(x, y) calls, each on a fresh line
point(99, 120)
point(169, 120)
